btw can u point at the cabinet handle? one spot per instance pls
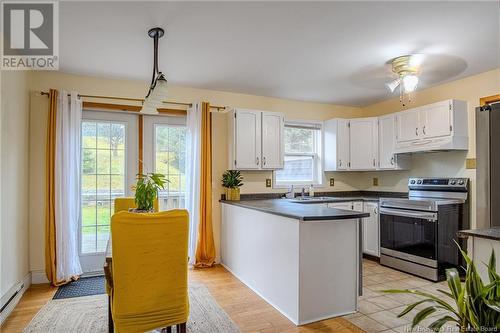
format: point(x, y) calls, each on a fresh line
point(263, 160)
point(257, 160)
point(340, 162)
point(423, 130)
point(392, 160)
point(373, 162)
point(416, 131)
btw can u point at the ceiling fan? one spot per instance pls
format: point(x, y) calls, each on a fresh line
point(407, 69)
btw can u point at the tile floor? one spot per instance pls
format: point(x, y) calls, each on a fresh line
point(378, 311)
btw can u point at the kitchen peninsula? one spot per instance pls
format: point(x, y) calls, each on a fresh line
point(303, 259)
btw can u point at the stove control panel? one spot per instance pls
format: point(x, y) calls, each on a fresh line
point(438, 183)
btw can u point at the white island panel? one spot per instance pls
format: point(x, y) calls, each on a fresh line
point(307, 270)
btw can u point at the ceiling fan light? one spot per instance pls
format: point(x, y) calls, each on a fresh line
point(393, 85)
point(410, 83)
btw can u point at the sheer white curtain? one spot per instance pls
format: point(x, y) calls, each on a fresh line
point(193, 172)
point(67, 184)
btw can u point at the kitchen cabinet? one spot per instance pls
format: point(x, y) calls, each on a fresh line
point(387, 159)
point(272, 140)
point(255, 140)
point(347, 205)
point(371, 233)
point(336, 144)
point(363, 143)
point(434, 127)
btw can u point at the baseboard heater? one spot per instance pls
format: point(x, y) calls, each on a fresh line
point(11, 298)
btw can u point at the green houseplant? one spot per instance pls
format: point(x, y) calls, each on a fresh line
point(232, 181)
point(473, 306)
point(146, 191)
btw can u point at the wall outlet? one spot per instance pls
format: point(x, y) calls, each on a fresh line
point(268, 182)
point(375, 181)
point(332, 182)
point(470, 163)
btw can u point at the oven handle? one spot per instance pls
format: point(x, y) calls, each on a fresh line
point(432, 217)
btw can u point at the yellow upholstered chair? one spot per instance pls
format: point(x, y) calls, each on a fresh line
point(149, 288)
point(129, 202)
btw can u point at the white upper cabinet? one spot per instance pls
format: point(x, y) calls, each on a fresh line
point(437, 126)
point(336, 144)
point(408, 125)
point(387, 159)
point(255, 139)
point(363, 143)
point(272, 140)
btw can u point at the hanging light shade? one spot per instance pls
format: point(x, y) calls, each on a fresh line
point(158, 88)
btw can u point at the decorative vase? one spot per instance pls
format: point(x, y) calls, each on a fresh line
point(233, 194)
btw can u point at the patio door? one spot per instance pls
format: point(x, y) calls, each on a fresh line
point(108, 168)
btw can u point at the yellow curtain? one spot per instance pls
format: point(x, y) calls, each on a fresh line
point(50, 220)
point(205, 247)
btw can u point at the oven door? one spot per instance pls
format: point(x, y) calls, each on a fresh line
point(409, 234)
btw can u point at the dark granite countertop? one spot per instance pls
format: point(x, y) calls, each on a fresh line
point(492, 233)
point(294, 210)
point(339, 196)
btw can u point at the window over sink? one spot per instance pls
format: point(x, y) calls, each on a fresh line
point(302, 155)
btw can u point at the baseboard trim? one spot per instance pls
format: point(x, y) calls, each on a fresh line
point(13, 296)
point(39, 277)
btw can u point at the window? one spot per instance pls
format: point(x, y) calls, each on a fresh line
point(170, 160)
point(302, 155)
point(103, 179)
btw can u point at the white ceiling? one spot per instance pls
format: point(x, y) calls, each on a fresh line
point(331, 52)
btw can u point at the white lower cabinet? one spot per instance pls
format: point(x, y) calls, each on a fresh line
point(371, 234)
point(348, 205)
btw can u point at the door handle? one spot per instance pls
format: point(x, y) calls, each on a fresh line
point(257, 160)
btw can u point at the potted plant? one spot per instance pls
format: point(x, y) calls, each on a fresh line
point(232, 181)
point(146, 191)
point(475, 305)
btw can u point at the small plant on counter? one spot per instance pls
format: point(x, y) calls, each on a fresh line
point(232, 180)
point(146, 191)
point(475, 306)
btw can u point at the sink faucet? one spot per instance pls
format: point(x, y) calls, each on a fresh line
point(303, 192)
point(290, 194)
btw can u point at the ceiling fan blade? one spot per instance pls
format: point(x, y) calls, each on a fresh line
point(393, 84)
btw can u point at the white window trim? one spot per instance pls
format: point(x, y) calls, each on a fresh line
point(318, 170)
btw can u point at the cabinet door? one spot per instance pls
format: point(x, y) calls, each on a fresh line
point(436, 120)
point(386, 137)
point(247, 147)
point(371, 234)
point(363, 143)
point(343, 144)
point(341, 205)
point(408, 127)
point(272, 140)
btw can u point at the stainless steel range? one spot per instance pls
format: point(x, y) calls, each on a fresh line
point(417, 233)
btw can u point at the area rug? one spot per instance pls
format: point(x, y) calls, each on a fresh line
point(89, 314)
point(82, 287)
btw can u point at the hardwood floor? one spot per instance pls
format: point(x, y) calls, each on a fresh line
point(246, 309)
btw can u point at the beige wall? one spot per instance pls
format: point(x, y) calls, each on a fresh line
point(254, 182)
point(14, 178)
point(451, 164)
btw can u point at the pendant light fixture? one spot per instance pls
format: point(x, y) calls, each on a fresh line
point(158, 89)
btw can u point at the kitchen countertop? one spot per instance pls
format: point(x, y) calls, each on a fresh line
point(295, 210)
point(492, 233)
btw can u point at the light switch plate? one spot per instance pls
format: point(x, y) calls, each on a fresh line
point(375, 181)
point(268, 182)
point(332, 182)
point(470, 163)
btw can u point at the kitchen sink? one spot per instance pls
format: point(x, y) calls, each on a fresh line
point(309, 199)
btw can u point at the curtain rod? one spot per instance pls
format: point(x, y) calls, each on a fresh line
point(45, 93)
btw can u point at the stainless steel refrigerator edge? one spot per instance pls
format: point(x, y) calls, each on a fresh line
point(488, 166)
